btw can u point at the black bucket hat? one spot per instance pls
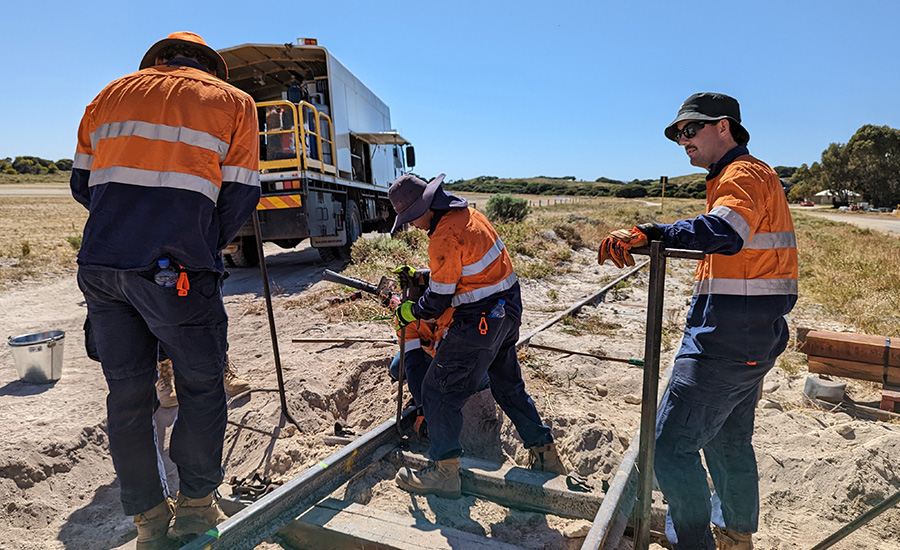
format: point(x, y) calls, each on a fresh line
point(711, 106)
point(412, 197)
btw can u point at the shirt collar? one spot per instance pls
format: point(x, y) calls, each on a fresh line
point(716, 167)
point(185, 62)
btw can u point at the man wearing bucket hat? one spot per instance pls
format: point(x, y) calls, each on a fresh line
point(735, 328)
point(167, 164)
point(474, 296)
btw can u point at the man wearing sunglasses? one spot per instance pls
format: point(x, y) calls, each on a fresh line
point(735, 328)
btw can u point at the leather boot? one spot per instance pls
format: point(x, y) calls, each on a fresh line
point(195, 516)
point(439, 478)
point(546, 459)
point(152, 526)
point(726, 539)
point(234, 384)
point(165, 385)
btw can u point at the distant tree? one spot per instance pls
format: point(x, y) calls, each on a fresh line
point(836, 174)
point(806, 182)
point(873, 155)
point(607, 180)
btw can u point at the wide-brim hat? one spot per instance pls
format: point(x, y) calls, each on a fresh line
point(185, 37)
point(710, 106)
point(412, 198)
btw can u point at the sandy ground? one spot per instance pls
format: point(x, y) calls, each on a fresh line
point(818, 469)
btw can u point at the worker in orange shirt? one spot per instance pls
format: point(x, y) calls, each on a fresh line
point(474, 296)
point(735, 328)
point(167, 164)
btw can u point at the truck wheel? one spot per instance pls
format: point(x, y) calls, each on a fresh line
point(353, 222)
point(246, 256)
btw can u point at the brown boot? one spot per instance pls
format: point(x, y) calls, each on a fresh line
point(195, 516)
point(165, 385)
point(726, 539)
point(152, 526)
point(439, 478)
point(546, 459)
point(234, 384)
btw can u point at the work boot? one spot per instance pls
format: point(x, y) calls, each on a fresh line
point(546, 459)
point(152, 526)
point(439, 478)
point(165, 385)
point(234, 384)
point(195, 516)
point(726, 539)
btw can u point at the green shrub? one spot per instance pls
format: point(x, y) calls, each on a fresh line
point(631, 191)
point(506, 208)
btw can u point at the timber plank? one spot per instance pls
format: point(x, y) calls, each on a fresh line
point(862, 348)
point(853, 369)
point(338, 525)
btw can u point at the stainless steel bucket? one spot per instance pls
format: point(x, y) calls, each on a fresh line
point(39, 356)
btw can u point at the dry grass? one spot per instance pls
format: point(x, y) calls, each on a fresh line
point(852, 272)
point(38, 236)
point(59, 177)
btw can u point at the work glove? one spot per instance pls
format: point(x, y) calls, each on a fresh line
point(616, 246)
point(404, 271)
point(404, 314)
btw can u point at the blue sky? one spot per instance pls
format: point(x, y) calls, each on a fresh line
point(502, 88)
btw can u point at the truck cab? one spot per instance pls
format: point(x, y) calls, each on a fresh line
point(328, 152)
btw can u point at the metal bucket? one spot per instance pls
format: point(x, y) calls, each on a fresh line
point(38, 357)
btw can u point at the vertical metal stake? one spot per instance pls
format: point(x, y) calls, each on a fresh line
point(400, 376)
point(648, 397)
point(268, 294)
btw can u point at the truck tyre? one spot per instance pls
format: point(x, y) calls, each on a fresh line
point(246, 256)
point(353, 227)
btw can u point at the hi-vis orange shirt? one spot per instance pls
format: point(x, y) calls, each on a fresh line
point(167, 162)
point(469, 264)
point(748, 281)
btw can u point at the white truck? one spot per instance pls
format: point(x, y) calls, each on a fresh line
point(328, 152)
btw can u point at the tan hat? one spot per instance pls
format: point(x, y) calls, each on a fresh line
point(185, 37)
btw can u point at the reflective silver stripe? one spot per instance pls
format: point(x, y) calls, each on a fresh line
point(82, 161)
point(492, 254)
point(410, 345)
point(746, 287)
point(735, 220)
point(148, 130)
point(483, 292)
point(768, 241)
point(442, 288)
point(151, 178)
point(240, 175)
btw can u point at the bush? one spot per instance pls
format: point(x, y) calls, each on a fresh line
point(506, 208)
point(631, 191)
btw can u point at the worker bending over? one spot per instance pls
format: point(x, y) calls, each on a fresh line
point(475, 298)
point(167, 164)
point(735, 327)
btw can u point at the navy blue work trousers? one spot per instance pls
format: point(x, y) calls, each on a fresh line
point(456, 372)
point(130, 315)
point(709, 405)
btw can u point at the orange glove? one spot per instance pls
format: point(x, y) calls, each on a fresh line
point(615, 247)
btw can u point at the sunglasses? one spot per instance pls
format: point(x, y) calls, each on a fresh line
point(689, 131)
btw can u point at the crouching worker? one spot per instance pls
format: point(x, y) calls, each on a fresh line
point(474, 296)
point(167, 165)
point(421, 341)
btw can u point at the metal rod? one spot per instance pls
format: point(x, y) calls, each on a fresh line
point(865, 518)
point(400, 376)
point(671, 253)
point(268, 294)
point(343, 340)
point(648, 400)
point(525, 339)
point(635, 362)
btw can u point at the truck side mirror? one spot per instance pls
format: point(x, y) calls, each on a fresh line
point(410, 156)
